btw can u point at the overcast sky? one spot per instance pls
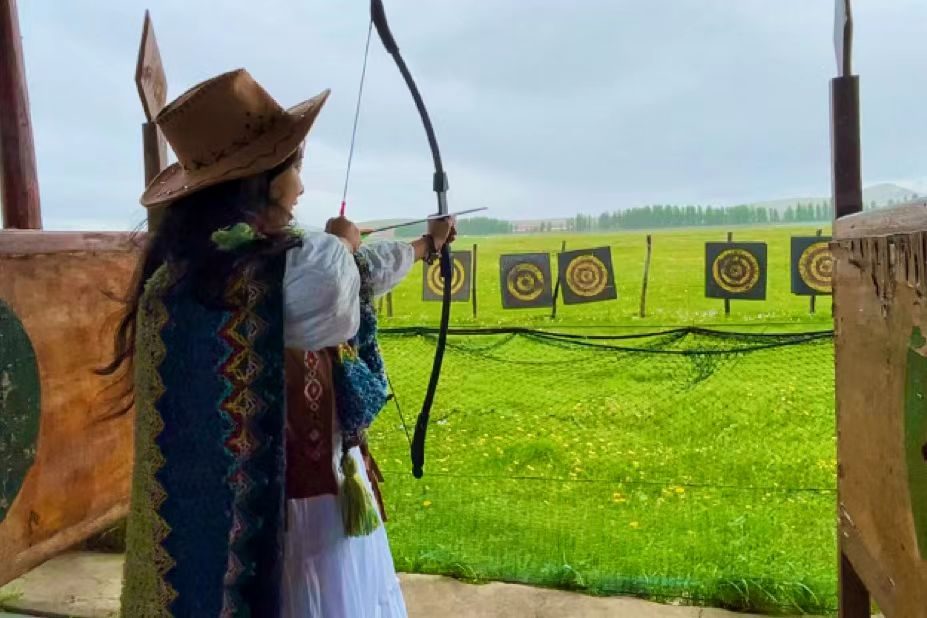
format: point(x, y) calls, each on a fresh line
point(542, 107)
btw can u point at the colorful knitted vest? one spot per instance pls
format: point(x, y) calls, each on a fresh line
point(205, 527)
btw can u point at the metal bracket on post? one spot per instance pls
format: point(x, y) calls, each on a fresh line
point(152, 90)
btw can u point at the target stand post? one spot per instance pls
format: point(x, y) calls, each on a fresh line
point(553, 313)
point(643, 311)
point(727, 301)
point(473, 280)
point(813, 297)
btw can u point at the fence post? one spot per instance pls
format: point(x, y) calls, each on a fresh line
point(19, 183)
point(553, 313)
point(389, 304)
point(727, 301)
point(152, 90)
point(473, 279)
point(643, 312)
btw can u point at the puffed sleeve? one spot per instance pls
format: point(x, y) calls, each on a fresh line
point(390, 261)
point(321, 294)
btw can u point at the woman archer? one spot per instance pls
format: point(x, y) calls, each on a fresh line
point(250, 354)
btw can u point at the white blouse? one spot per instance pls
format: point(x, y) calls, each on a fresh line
point(322, 287)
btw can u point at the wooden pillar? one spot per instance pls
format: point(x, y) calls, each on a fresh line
point(847, 187)
point(19, 184)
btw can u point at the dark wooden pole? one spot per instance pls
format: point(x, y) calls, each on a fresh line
point(553, 312)
point(389, 304)
point(727, 301)
point(473, 279)
point(853, 599)
point(643, 312)
point(19, 183)
point(847, 187)
point(846, 177)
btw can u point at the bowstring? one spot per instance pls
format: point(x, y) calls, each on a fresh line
point(402, 417)
point(357, 108)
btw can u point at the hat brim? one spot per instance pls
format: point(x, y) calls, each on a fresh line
point(264, 153)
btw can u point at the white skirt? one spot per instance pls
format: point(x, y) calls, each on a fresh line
point(329, 575)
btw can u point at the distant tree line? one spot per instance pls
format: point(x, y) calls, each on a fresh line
point(663, 216)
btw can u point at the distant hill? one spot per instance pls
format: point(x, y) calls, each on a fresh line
point(881, 194)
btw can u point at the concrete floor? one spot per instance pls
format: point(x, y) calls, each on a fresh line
point(87, 585)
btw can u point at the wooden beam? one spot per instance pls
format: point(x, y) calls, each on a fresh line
point(33, 242)
point(19, 184)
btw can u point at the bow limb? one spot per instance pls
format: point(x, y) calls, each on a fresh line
point(378, 18)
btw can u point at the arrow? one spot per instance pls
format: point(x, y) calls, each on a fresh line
point(425, 220)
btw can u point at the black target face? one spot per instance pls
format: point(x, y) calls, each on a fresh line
point(587, 276)
point(525, 280)
point(433, 283)
point(735, 270)
point(812, 265)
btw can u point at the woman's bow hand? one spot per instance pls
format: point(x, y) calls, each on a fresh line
point(443, 231)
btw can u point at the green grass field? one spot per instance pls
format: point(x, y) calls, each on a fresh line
point(703, 477)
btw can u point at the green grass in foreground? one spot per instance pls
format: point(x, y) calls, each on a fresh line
point(704, 478)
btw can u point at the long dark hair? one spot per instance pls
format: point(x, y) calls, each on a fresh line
point(183, 241)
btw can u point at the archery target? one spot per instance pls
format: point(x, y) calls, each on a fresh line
point(812, 265)
point(526, 280)
point(433, 283)
point(586, 275)
point(735, 270)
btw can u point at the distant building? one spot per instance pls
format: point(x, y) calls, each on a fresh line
point(533, 226)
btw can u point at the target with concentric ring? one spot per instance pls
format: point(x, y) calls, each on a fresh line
point(736, 270)
point(812, 266)
point(433, 288)
point(587, 276)
point(525, 280)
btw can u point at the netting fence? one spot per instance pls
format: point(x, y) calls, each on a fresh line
point(687, 464)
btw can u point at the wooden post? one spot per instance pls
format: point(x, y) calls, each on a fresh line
point(727, 301)
point(152, 89)
point(19, 183)
point(813, 297)
point(473, 279)
point(847, 187)
point(553, 313)
point(643, 313)
point(389, 304)
point(380, 306)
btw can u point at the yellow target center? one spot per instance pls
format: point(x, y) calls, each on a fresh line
point(436, 283)
point(736, 271)
point(586, 275)
point(816, 267)
point(525, 282)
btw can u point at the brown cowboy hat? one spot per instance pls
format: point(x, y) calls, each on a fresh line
point(225, 128)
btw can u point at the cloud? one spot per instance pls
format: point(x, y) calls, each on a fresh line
point(539, 111)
